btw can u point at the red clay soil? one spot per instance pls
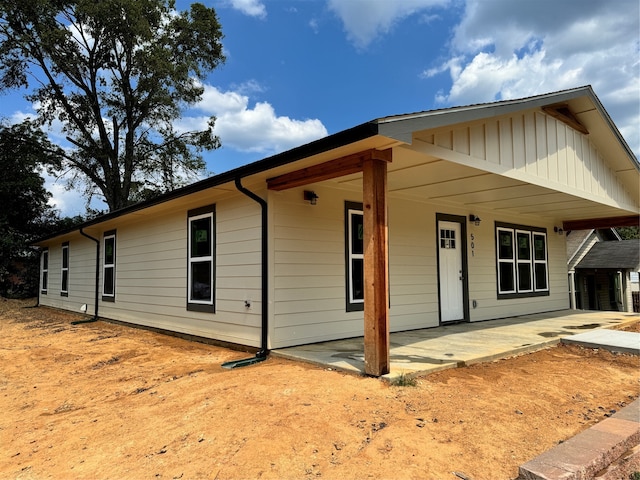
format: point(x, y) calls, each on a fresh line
point(99, 400)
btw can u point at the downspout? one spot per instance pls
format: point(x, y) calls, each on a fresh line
point(95, 314)
point(262, 354)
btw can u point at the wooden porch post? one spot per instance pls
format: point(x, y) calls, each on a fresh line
point(376, 291)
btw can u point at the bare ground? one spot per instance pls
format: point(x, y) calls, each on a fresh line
point(106, 401)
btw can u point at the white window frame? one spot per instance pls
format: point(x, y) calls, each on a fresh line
point(109, 266)
point(528, 261)
point(353, 256)
point(196, 304)
point(45, 271)
point(545, 261)
point(511, 261)
point(64, 270)
point(515, 261)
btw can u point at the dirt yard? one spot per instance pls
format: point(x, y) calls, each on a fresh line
point(98, 401)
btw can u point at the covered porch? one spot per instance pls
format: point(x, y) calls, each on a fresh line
point(420, 352)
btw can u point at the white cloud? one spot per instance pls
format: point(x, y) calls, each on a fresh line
point(251, 129)
point(364, 20)
point(504, 49)
point(253, 8)
point(68, 202)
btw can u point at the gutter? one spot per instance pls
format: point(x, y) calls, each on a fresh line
point(95, 314)
point(263, 353)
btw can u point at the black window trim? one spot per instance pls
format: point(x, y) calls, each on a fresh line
point(197, 212)
point(44, 277)
point(108, 234)
point(65, 245)
point(533, 230)
point(351, 306)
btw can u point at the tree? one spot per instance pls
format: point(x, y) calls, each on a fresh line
point(116, 74)
point(23, 150)
point(628, 233)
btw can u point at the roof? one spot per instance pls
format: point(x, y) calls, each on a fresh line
point(400, 128)
point(624, 254)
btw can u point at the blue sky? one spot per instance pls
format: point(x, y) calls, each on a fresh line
point(300, 70)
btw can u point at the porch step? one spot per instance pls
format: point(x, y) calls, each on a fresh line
point(590, 453)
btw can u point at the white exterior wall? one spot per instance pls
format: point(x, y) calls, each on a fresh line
point(151, 272)
point(82, 261)
point(309, 267)
point(483, 272)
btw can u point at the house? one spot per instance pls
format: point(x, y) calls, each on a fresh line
point(602, 270)
point(400, 223)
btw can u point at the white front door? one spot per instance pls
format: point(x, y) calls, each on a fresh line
point(451, 272)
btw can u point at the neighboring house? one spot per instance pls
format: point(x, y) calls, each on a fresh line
point(603, 276)
point(401, 223)
point(579, 242)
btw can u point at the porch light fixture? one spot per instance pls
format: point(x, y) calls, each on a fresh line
point(474, 219)
point(310, 197)
point(558, 230)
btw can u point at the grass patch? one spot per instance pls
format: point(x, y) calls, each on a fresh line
point(405, 380)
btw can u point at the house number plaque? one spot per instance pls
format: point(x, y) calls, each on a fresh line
point(473, 245)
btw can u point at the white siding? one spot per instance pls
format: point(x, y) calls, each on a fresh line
point(309, 267)
point(151, 273)
point(82, 261)
point(483, 274)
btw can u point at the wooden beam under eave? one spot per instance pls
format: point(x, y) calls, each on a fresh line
point(376, 269)
point(611, 222)
point(326, 171)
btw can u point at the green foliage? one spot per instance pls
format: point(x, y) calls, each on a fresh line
point(116, 74)
point(628, 233)
point(405, 380)
point(23, 149)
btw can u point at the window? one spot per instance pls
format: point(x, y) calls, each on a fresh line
point(521, 261)
point(354, 253)
point(201, 267)
point(64, 287)
point(45, 270)
point(109, 267)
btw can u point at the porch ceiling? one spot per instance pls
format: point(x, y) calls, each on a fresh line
point(430, 179)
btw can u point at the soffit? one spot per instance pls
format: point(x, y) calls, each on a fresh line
point(432, 180)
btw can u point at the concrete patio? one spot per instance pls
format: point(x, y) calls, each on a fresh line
point(428, 350)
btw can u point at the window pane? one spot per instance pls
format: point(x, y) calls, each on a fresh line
point(524, 246)
point(539, 247)
point(201, 281)
point(45, 260)
point(357, 234)
point(45, 280)
point(201, 237)
point(65, 280)
point(524, 276)
point(505, 244)
point(357, 278)
point(108, 281)
point(65, 257)
point(506, 277)
point(541, 276)
point(109, 254)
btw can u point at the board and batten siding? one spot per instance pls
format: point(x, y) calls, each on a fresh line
point(151, 271)
point(532, 147)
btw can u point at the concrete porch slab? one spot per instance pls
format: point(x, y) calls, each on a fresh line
point(428, 350)
point(612, 340)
